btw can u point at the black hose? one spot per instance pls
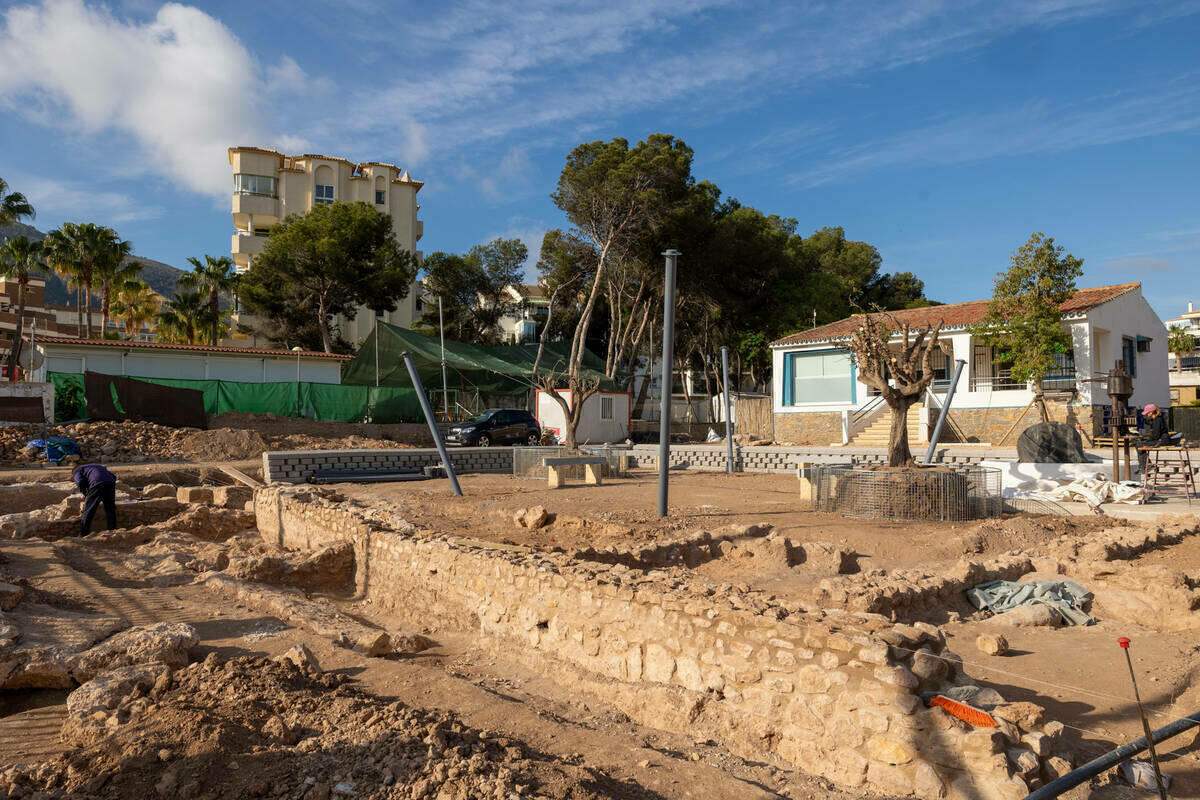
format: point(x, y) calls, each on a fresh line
point(1109, 760)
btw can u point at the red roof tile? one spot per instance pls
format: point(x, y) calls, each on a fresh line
point(953, 315)
point(189, 347)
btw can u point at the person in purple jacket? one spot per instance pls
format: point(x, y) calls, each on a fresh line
point(98, 486)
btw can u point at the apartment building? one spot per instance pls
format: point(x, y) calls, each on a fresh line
point(1185, 372)
point(39, 317)
point(268, 185)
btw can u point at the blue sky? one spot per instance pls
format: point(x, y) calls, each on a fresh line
point(944, 133)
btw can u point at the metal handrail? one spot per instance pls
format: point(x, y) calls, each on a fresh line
point(868, 409)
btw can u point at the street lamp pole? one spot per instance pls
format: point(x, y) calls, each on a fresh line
point(298, 350)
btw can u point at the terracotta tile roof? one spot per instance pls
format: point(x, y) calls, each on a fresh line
point(203, 348)
point(953, 315)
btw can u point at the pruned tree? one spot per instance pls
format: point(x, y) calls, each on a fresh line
point(1024, 316)
point(901, 376)
point(1179, 343)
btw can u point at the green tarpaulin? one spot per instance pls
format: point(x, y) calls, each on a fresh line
point(322, 401)
point(501, 369)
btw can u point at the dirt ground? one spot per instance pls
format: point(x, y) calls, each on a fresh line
point(458, 716)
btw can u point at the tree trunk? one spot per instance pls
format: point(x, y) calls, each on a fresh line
point(79, 331)
point(323, 322)
point(214, 307)
point(898, 453)
point(87, 312)
point(1039, 397)
point(683, 382)
point(14, 357)
point(105, 305)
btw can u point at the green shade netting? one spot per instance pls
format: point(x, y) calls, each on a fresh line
point(321, 401)
point(501, 369)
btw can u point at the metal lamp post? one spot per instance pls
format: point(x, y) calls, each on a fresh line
point(298, 350)
point(668, 347)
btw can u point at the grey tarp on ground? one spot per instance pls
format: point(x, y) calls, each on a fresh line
point(1065, 597)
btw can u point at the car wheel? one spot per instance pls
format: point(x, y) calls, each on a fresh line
point(483, 441)
point(533, 439)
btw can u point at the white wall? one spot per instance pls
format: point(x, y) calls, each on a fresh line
point(1131, 316)
point(193, 365)
point(592, 429)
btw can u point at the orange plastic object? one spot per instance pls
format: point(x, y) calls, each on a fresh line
point(968, 714)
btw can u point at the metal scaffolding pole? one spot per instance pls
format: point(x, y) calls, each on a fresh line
point(445, 388)
point(668, 343)
point(433, 427)
point(937, 430)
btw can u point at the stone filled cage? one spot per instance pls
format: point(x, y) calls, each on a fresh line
point(527, 461)
point(936, 494)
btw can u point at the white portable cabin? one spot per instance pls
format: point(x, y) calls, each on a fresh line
point(605, 418)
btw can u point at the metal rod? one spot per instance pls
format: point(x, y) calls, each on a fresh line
point(1111, 759)
point(668, 348)
point(445, 387)
point(377, 349)
point(728, 434)
point(937, 429)
point(1162, 791)
point(433, 427)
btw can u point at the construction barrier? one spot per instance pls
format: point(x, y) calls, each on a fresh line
point(319, 401)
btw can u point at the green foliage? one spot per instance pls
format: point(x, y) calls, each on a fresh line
point(211, 278)
point(1179, 343)
point(1024, 320)
point(70, 402)
point(13, 205)
point(327, 262)
point(181, 318)
point(472, 289)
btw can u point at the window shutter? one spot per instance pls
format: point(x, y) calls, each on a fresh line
point(787, 378)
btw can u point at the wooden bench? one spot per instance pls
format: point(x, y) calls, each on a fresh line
point(591, 468)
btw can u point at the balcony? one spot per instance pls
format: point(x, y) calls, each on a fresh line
point(420, 229)
point(248, 244)
point(264, 206)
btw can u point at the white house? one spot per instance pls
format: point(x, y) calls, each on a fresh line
point(530, 307)
point(191, 361)
point(818, 399)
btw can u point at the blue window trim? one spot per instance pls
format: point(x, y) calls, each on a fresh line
point(789, 372)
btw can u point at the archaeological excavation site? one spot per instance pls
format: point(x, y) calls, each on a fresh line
point(256, 627)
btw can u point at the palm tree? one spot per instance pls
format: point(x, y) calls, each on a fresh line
point(13, 206)
point(135, 304)
point(180, 317)
point(211, 278)
point(19, 258)
point(62, 249)
point(112, 267)
point(1180, 343)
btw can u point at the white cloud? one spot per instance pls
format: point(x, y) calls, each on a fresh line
point(62, 200)
point(180, 85)
point(511, 174)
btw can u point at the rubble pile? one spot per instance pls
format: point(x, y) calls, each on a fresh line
point(257, 727)
point(141, 442)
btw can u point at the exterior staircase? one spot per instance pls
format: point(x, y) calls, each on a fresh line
point(876, 434)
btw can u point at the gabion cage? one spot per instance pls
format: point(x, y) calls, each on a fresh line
point(908, 495)
point(527, 461)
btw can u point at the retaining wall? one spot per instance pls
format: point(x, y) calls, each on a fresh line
point(835, 694)
point(295, 466)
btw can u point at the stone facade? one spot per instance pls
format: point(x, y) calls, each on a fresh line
point(819, 427)
point(833, 693)
point(990, 424)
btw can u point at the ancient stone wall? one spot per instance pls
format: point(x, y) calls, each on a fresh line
point(835, 694)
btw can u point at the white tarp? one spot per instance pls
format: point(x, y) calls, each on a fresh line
point(1093, 491)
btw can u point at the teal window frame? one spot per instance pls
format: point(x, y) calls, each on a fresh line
point(789, 372)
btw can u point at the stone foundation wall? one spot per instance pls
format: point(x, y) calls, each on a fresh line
point(819, 427)
point(835, 694)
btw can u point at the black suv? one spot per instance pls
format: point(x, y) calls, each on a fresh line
point(496, 426)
